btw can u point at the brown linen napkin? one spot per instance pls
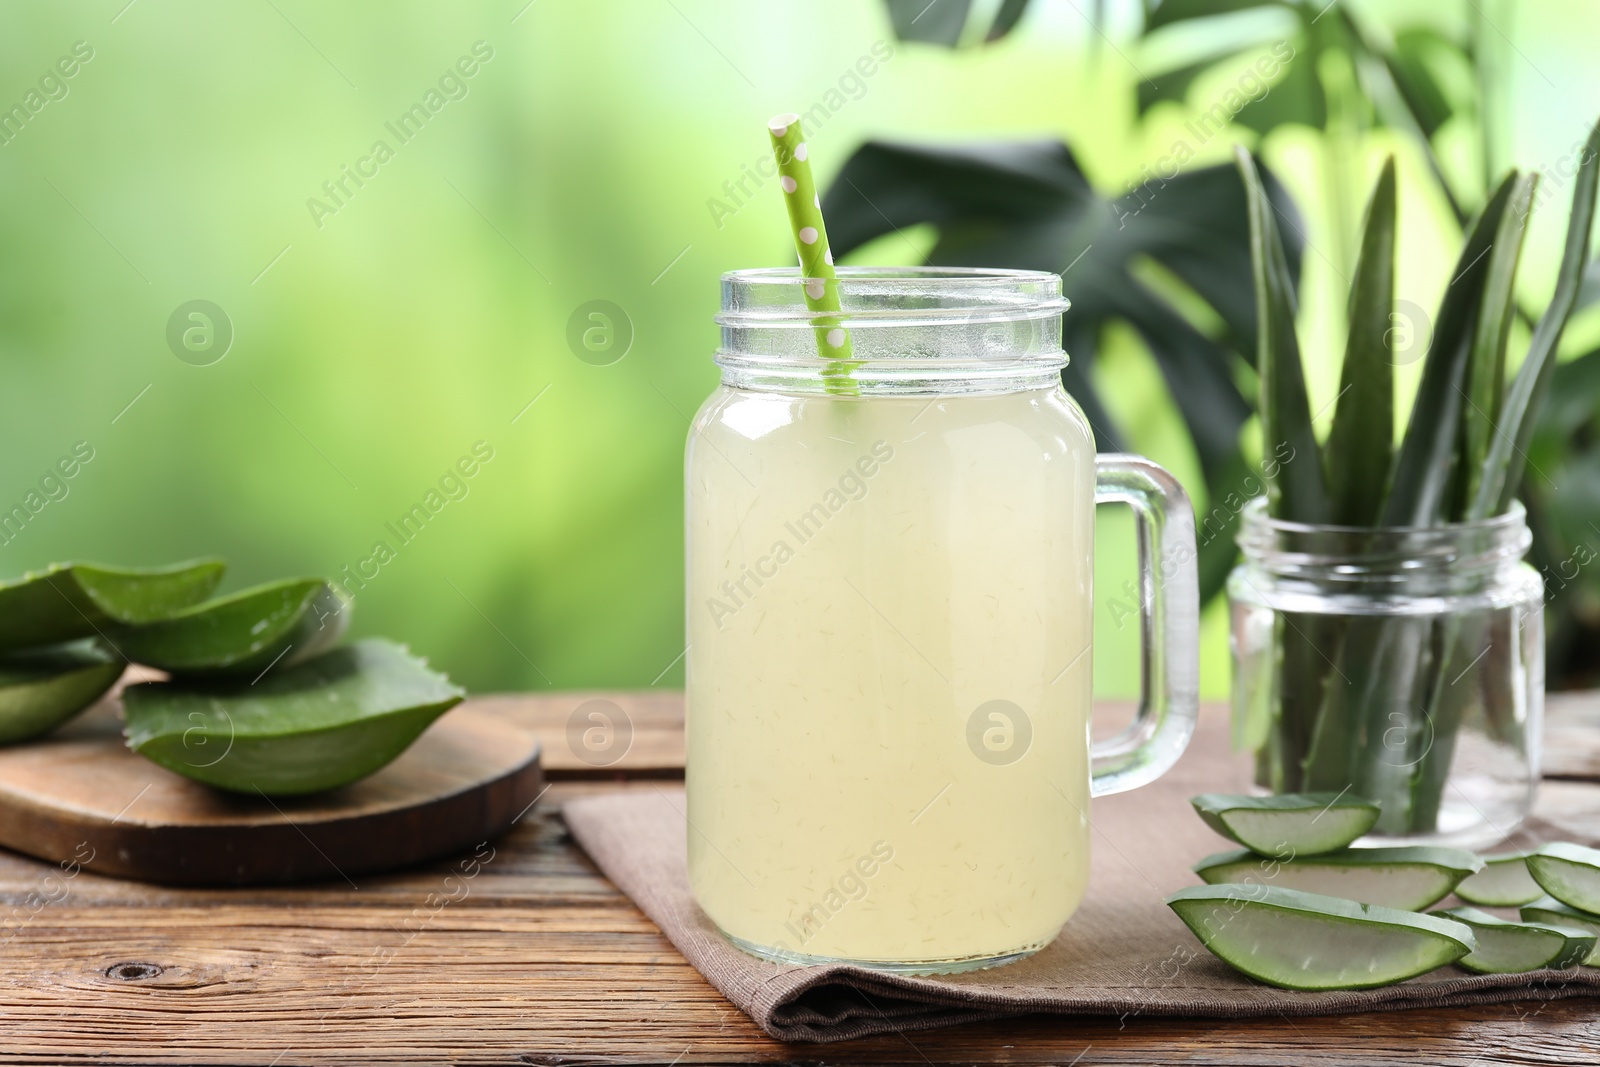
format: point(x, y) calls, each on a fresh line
point(1124, 953)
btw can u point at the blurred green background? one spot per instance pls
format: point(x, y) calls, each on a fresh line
point(379, 334)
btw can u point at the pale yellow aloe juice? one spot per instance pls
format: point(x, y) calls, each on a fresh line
point(865, 575)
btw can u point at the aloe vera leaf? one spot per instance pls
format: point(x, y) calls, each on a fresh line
point(42, 688)
point(1251, 721)
point(68, 601)
point(1305, 667)
point(1462, 647)
point(1311, 942)
point(1360, 446)
point(1388, 701)
point(1570, 873)
point(280, 623)
point(1506, 462)
point(1498, 468)
point(1426, 463)
point(1506, 947)
point(1296, 492)
point(1580, 947)
point(1388, 688)
point(1504, 882)
point(1552, 912)
point(1487, 364)
point(316, 725)
point(1410, 878)
point(1336, 733)
point(1289, 824)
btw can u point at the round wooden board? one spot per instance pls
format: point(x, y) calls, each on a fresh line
point(81, 792)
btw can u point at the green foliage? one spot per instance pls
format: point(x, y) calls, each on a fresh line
point(67, 601)
point(944, 22)
point(1029, 205)
point(1429, 456)
point(280, 623)
point(42, 688)
point(1296, 491)
point(256, 680)
point(318, 725)
point(1451, 466)
point(1361, 442)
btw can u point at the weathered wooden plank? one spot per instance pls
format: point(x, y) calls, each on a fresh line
point(1572, 735)
point(601, 735)
point(526, 955)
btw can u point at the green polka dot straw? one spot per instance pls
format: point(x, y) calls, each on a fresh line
point(811, 241)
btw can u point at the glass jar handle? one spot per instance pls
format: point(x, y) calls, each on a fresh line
point(1169, 622)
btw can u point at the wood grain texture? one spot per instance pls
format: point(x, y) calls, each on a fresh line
point(80, 795)
point(518, 952)
point(1572, 735)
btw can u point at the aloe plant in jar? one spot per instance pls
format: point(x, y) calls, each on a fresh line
point(1387, 636)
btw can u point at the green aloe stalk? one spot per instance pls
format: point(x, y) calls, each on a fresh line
point(1399, 664)
point(1379, 713)
point(1491, 493)
point(1360, 446)
point(1426, 464)
point(1297, 492)
point(1359, 454)
point(1505, 463)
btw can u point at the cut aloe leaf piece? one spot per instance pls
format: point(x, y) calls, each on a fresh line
point(42, 688)
point(1409, 878)
point(1552, 912)
point(317, 725)
point(1312, 942)
point(67, 601)
point(1568, 872)
point(1506, 947)
point(280, 623)
point(1504, 882)
point(1289, 824)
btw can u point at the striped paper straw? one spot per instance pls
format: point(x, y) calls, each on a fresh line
point(811, 241)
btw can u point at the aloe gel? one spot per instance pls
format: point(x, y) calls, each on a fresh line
point(835, 668)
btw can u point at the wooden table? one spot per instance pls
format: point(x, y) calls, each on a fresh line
point(526, 955)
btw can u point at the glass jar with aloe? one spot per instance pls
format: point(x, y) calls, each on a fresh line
point(1387, 636)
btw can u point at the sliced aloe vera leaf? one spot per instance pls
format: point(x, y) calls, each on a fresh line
point(1552, 912)
point(1409, 878)
point(1310, 941)
point(316, 725)
point(1506, 947)
point(1568, 872)
point(1504, 882)
point(42, 688)
point(280, 623)
point(1297, 824)
point(68, 601)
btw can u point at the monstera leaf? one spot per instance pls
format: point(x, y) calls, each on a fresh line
point(1397, 79)
point(943, 21)
point(1565, 452)
point(1029, 205)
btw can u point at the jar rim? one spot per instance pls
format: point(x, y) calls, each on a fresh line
point(1346, 554)
point(773, 297)
point(1255, 512)
point(912, 330)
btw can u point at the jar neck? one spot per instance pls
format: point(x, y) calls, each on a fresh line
point(916, 330)
point(1453, 558)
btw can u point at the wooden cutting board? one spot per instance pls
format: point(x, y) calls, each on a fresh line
point(80, 792)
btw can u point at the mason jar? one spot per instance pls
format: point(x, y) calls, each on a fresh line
point(1404, 665)
point(889, 581)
